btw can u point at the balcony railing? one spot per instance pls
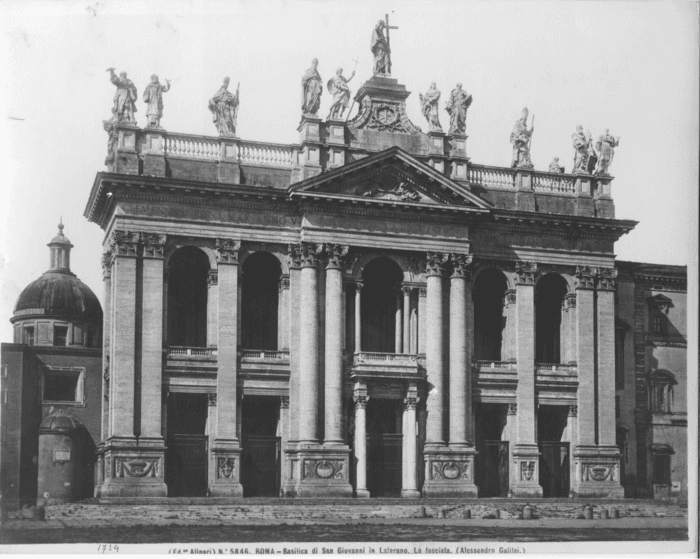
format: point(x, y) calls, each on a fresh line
point(553, 182)
point(504, 178)
point(185, 351)
point(556, 368)
point(264, 354)
point(486, 366)
point(385, 358)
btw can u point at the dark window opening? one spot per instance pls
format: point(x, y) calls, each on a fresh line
point(60, 335)
point(28, 335)
point(549, 297)
point(378, 305)
point(187, 298)
point(661, 469)
point(61, 386)
point(489, 322)
point(260, 301)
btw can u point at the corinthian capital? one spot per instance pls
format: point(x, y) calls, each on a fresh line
point(606, 278)
point(336, 255)
point(227, 251)
point(153, 244)
point(435, 263)
point(525, 272)
point(460, 265)
point(310, 254)
point(585, 277)
point(124, 243)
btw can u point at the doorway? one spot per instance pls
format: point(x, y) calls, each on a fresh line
point(384, 448)
point(492, 451)
point(261, 457)
point(554, 459)
point(187, 445)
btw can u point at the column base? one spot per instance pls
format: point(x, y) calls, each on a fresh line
point(226, 456)
point(597, 472)
point(449, 472)
point(361, 494)
point(410, 494)
point(132, 469)
point(323, 472)
point(527, 471)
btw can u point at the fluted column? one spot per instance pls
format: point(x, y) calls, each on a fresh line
point(360, 447)
point(398, 329)
point(334, 344)
point(460, 385)
point(308, 345)
point(407, 289)
point(422, 325)
point(434, 351)
point(358, 317)
point(409, 486)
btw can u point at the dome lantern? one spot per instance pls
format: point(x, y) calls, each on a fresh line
point(60, 251)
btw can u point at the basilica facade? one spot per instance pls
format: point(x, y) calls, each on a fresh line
point(367, 312)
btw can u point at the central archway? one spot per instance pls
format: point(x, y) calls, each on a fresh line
point(260, 301)
point(380, 277)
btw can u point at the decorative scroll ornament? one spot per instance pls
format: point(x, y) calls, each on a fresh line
point(569, 302)
point(527, 471)
point(213, 278)
point(336, 254)
point(323, 469)
point(211, 398)
point(573, 411)
point(124, 243)
point(383, 117)
point(153, 244)
point(510, 297)
point(410, 403)
point(403, 192)
point(407, 290)
point(585, 277)
point(598, 472)
point(225, 467)
point(358, 286)
point(107, 259)
point(135, 467)
point(606, 278)
point(512, 409)
point(294, 255)
point(450, 470)
point(525, 272)
point(227, 251)
point(284, 402)
point(460, 265)
point(435, 263)
point(310, 254)
point(360, 402)
point(284, 282)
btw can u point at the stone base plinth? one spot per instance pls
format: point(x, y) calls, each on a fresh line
point(410, 494)
point(526, 477)
point(449, 472)
point(227, 470)
point(323, 471)
point(597, 472)
point(133, 470)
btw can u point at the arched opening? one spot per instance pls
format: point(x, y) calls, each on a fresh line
point(549, 299)
point(489, 323)
point(378, 305)
point(260, 301)
point(187, 298)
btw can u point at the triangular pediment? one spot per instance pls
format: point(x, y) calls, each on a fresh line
point(391, 175)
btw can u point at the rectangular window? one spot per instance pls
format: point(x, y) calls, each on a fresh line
point(65, 386)
point(60, 335)
point(659, 401)
point(28, 335)
point(77, 334)
point(656, 324)
point(661, 469)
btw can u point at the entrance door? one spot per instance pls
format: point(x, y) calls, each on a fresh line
point(186, 460)
point(493, 466)
point(384, 447)
point(554, 469)
point(261, 463)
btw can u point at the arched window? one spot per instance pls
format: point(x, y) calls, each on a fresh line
point(661, 391)
point(549, 299)
point(260, 301)
point(187, 298)
point(381, 277)
point(489, 323)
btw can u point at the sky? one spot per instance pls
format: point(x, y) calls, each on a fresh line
point(630, 66)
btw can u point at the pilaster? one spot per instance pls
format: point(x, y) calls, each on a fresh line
point(409, 484)
point(309, 151)
point(360, 447)
point(458, 159)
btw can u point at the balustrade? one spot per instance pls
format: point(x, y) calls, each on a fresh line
point(268, 155)
point(263, 354)
point(492, 177)
point(556, 368)
point(485, 366)
point(388, 358)
point(184, 351)
point(192, 146)
point(553, 182)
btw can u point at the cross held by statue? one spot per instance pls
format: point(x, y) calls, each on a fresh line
point(388, 42)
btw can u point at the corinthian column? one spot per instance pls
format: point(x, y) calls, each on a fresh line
point(460, 385)
point(361, 443)
point(435, 433)
point(358, 317)
point(308, 345)
point(407, 289)
point(334, 343)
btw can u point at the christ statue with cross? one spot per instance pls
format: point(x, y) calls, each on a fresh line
point(381, 49)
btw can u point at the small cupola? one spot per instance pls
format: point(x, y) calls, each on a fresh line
point(60, 251)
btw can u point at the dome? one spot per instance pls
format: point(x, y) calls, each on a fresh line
point(60, 294)
point(60, 422)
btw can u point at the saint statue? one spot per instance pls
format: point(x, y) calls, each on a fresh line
point(521, 138)
point(224, 106)
point(338, 87)
point(311, 90)
point(380, 50)
point(555, 167)
point(583, 148)
point(457, 106)
point(124, 99)
point(605, 149)
point(429, 108)
point(153, 95)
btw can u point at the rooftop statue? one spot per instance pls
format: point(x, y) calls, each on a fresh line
point(521, 138)
point(338, 87)
point(311, 90)
point(605, 150)
point(583, 147)
point(429, 108)
point(555, 167)
point(153, 95)
point(457, 106)
point(124, 99)
point(380, 50)
point(224, 106)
